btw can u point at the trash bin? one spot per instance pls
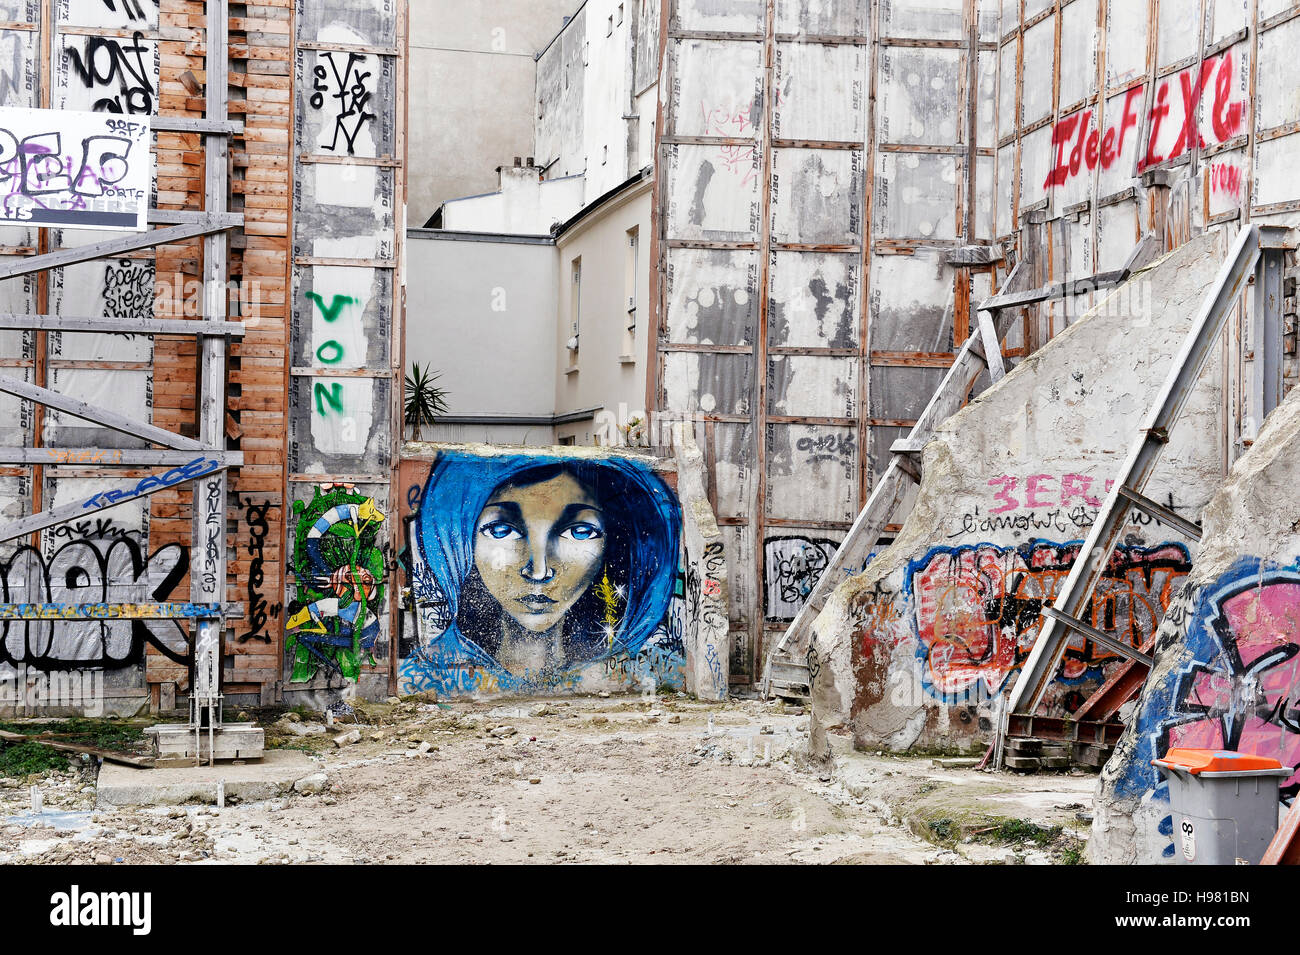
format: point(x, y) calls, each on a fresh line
point(1225, 804)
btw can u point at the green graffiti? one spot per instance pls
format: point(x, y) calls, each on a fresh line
point(335, 308)
point(333, 395)
point(338, 563)
point(335, 352)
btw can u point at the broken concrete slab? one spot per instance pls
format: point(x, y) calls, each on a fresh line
point(958, 762)
point(1227, 658)
point(273, 775)
point(913, 651)
point(177, 741)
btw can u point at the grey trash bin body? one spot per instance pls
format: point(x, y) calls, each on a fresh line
point(1224, 804)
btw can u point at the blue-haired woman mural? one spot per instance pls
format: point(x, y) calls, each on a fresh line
point(539, 573)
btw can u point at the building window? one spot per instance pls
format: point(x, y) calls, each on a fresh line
point(633, 267)
point(610, 31)
point(575, 308)
point(620, 14)
point(569, 441)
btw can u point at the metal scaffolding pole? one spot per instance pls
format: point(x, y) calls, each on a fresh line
point(208, 566)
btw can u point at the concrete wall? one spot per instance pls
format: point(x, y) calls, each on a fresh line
point(554, 571)
point(1227, 661)
point(595, 94)
point(913, 650)
point(473, 92)
point(607, 370)
point(482, 314)
point(558, 110)
point(524, 204)
point(704, 561)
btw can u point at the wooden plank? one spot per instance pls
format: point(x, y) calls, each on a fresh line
point(111, 457)
point(109, 419)
point(207, 223)
point(119, 326)
point(183, 124)
point(140, 762)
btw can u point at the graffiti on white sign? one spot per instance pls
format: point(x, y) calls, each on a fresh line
point(70, 169)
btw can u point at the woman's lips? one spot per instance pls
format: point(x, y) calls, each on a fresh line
point(537, 603)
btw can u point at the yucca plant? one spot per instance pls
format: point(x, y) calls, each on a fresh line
point(424, 399)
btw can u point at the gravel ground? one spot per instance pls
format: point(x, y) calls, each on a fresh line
point(619, 779)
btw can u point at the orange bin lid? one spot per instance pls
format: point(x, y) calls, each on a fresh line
point(1196, 761)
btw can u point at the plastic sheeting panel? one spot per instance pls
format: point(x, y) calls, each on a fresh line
point(815, 84)
point(817, 196)
point(713, 192)
point(929, 19)
point(918, 95)
point(916, 196)
point(719, 89)
point(814, 300)
point(812, 386)
point(713, 296)
point(822, 17)
point(722, 16)
point(812, 472)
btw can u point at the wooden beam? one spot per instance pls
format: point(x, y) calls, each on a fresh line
point(199, 467)
point(140, 762)
point(991, 347)
point(208, 223)
point(208, 570)
point(111, 457)
point(182, 124)
point(120, 326)
point(1054, 291)
point(182, 216)
point(88, 412)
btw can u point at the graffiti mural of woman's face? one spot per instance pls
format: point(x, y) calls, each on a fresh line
point(539, 547)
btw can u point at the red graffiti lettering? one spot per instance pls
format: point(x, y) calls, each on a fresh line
point(1226, 115)
point(1078, 147)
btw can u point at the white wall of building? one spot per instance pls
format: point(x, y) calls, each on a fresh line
point(472, 92)
point(524, 205)
point(612, 308)
point(481, 313)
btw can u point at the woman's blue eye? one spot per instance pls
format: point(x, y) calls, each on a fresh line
point(584, 532)
point(498, 530)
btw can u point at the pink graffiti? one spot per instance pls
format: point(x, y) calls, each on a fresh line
point(739, 160)
point(1043, 490)
point(1248, 700)
point(1225, 178)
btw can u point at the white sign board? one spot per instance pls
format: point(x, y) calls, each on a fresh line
point(60, 168)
